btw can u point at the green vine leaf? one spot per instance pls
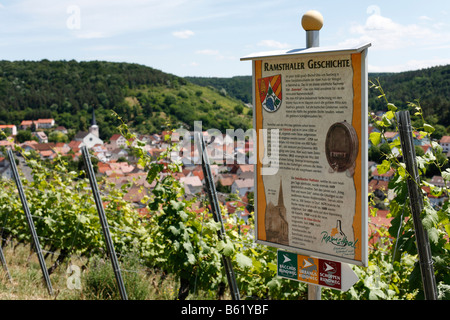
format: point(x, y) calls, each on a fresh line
point(446, 174)
point(428, 128)
point(375, 138)
point(226, 247)
point(272, 266)
point(392, 107)
point(430, 217)
point(243, 261)
point(384, 167)
point(433, 235)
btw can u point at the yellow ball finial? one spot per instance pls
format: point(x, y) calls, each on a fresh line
point(312, 21)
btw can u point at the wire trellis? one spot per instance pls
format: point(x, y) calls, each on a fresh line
point(49, 242)
point(52, 243)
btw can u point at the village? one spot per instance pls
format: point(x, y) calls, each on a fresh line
point(234, 179)
point(379, 183)
point(115, 162)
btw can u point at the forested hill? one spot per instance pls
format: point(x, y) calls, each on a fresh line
point(69, 84)
point(239, 87)
point(146, 98)
point(431, 86)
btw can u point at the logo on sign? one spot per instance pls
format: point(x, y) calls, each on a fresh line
point(330, 274)
point(270, 92)
point(337, 237)
point(287, 265)
point(308, 270)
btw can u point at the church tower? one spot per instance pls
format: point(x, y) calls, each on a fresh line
point(277, 226)
point(94, 127)
point(280, 196)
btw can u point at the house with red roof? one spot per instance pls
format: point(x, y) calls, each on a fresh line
point(379, 188)
point(391, 135)
point(380, 220)
point(238, 208)
point(10, 127)
point(192, 184)
point(445, 144)
point(245, 168)
point(384, 176)
point(28, 146)
point(135, 194)
point(116, 141)
point(227, 179)
point(26, 124)
point(242, 186)
point(75, 146)
point(436, 200)
point(41, 136)
point(438, 181)
point(44, 123)
point(198, 171)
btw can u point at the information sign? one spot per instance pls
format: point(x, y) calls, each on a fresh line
point(310, 116)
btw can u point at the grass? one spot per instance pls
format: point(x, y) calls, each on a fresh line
point(97, 281)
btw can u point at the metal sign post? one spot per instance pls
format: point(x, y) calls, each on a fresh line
point(416, 204)
point(312, 22)
point(215, 208)
point(30, 222)
point(104, 222)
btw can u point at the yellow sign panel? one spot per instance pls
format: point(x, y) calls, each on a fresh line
point(311, 182)
point(308, 269)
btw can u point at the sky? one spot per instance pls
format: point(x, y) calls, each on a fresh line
point(207, 38)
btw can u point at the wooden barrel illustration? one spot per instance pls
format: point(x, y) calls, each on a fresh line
point(341, 146)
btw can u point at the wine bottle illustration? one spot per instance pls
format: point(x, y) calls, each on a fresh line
point(338, 235)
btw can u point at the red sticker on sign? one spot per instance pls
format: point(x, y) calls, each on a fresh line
point(330, 274)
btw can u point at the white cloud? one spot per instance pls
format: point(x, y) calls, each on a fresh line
point(208, 52)
point(385, 34)
point(425, 18)
point(90, 35)
point(109, 47)
point(216, 54)
point(440, 26)
point(399, 47)
point(184, 34)
point(110, 18)
point(274, 44)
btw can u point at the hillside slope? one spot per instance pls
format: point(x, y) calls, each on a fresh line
point(431, 86)
point(239, 87)
point(144, 97)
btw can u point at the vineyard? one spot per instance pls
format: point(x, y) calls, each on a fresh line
point(174, 241)
point(180, 243)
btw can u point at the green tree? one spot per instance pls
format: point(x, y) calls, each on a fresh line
point(239, 109)
point(57, 136)
point(24, 135)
